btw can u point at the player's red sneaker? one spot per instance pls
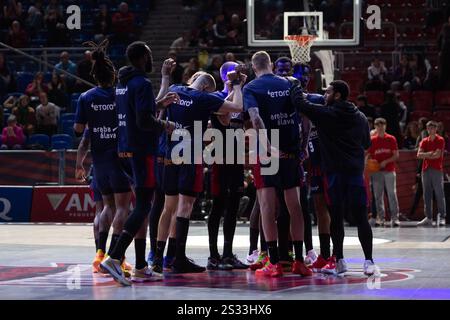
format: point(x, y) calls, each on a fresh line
point(318, 264)
point(261, 262)
point(300, 268)
point(270, 270)
point(330, 267)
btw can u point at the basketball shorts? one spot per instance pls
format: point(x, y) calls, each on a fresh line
point(140, 170)
point(110, 178)
point(185, 179)
point(287, 176)
point(227, 177)
point(344, 188)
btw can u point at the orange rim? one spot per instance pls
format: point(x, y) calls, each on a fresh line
point(300, 39)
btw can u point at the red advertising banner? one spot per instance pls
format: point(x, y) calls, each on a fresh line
point(62, 204)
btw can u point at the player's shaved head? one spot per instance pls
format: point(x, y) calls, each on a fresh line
point(195, 76)
point(261, 61)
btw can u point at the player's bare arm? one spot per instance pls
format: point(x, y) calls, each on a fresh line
point(82, 151)
point(166, 69)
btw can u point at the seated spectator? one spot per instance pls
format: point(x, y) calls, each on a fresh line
point(123, 24)
point(25, 115)
point(67, 65)
point(9, 103)
point(229, 56)
point(57, 32)
point(181, 43)
point(220, 31)
point(84, 72)
point(423, 130)
point(390, 111)
point(54, 6)
point(102, 24)
point(12, 135)
point(442, 132)
point(57, 91)
point(235, 31)
point(12, 10)
point(7, 81)
point(214, 67)
point(206, 36)
point(412, 132)
point(420, 69)
point(17, 36)
point(47, 116)
point(37, 85)
point(402, 74)
point(177, 74)
point(376, 75)
point(34, 21)
point(192, 67)
point(364, 107)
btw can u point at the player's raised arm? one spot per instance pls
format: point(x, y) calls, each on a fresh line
point(167, 68)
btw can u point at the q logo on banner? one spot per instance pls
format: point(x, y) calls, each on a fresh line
point(6, 209)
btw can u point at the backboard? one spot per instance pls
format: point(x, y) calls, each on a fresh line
point(336, 23)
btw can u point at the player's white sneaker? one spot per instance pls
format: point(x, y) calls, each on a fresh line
point(426, 222)
point(370, 268)
point(113, 267)
point(145, 275)
point(251, 258)
point(372, 222)
point(311, 257)
point(440, 221)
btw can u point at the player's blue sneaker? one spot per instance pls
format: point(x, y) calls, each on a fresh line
point(168, 262)
point(151, 256)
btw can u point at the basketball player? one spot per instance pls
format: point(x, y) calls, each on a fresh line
point(227, 187)
point(96, 109)
point(80, 174)
point(302, 72)
point(284, 68)
point(138, 133)
point(344, 136)
point(266, 99)
point(183, 181)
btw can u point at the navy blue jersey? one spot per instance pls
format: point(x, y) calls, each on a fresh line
point(134, 94)
point(194, 105)
point(96, 108)
point(313, 144)
point(270, 94)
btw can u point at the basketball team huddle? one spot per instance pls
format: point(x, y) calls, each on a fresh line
point(133, 138)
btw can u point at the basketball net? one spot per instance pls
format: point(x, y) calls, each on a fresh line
point(300, 46)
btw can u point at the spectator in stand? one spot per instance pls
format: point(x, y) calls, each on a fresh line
point(192, 67)
point(12, 135)
point(57, 91)
point(176, 76)
point(17, 36)
point(390, 111)
point(47, 116)
point(444, 55)
point(37, 85)
point(182, 42)
point(229, 56)
point(57, 34)
point(12, 10)
point(384, 150)
point(206, 35)
point(423, 130)
point(54, 6)
point(25, 115)
point(123, 24)
point(34, 21)
point(420, 71)
point(220, 31)
point(364, 107)
point(431, 150)
point(214, 67)
point(235, 31)
point(7, 81)
point(102, 24)
point(67, 65)
point(84, 72)
point(441, 131)
point(376, 75)
point(402, 74)
point(412, 133)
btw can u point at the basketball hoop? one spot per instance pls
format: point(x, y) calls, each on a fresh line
point(300, 46)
